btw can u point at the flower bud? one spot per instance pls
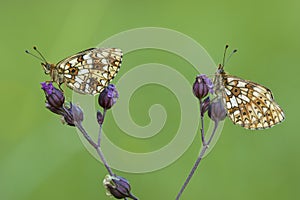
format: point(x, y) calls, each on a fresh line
point(205, 105)
point(99, 117)
point(216, 111)
point(55, 110)
point(55, 97)
point(72, 114)
point(108, 97)
point(67, 117)
point(47, 87)
point(118, 187)
point(77, 113)
point(202, 86)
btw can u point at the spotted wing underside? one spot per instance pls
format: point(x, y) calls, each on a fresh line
point(90, 71)
point(249, 104)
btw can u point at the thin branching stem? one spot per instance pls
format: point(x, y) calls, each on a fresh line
point(205, 146)
point(202, 123)
point(100, 128)
point(95, 145)
point(104, 161)
point(85, 134)
point(213, 133)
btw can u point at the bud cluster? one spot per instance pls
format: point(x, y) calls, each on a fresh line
point(201, 88)
point(72, 115)
point(55, 102)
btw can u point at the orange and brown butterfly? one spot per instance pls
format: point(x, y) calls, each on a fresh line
point(248, 104)
point(86, 72)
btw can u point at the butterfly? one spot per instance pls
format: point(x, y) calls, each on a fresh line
point(248, 104)
point(86, 72)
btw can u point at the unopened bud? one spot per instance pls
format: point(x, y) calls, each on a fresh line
point(118, 187)
point(77, 113)
point(216, 111)
point(54, 97)
point(202, 86)
point(99, 117)
point(72, 114)
point(108, 97)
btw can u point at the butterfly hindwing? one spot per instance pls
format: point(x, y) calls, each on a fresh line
point(249, 104)
point(89, 71)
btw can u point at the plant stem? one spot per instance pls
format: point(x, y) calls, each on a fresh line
point(204, 148)
point(104, 161)
point(213, 133)
point(96, 146)
point(201, 155)
point(202, 123)
point(100, 129)
point(85, 134)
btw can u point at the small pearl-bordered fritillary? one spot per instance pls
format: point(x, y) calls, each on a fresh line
point(86, 72)
point(248, 104)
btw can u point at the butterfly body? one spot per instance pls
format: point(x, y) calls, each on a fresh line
point(248, 104)
point(87, 72)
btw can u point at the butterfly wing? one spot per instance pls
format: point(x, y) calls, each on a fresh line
point(90, 71)
point(249, 104)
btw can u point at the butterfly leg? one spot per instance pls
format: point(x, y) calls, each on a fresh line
point(59, 85)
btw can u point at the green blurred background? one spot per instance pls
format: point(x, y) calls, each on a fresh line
point(42, 159)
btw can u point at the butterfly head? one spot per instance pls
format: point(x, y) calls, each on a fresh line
point(220, 69)
point(46, 66)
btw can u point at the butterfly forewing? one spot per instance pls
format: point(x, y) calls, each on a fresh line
point(248, 104)
point(90, 71)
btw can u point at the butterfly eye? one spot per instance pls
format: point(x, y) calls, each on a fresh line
point(46, 68)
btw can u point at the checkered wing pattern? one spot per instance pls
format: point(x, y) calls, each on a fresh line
point(249, 104)
point(90, 71)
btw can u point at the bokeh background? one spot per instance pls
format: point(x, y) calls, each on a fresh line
point(42, 159)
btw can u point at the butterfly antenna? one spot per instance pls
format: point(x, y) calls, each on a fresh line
point(40, 54)
point(26, 51)
point(234, 51)
point(224, 55)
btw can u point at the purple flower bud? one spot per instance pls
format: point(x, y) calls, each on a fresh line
point(202, 86)
point(67, 116)
point(67, 119)
point(72, 114)
point(108, 97)
point(54, 98)
point(55, 110)
point(118, 187)
point(216, 111)
point(99, 117)
point(205, 105)
point(47, 87)
point(55, 101)
point(77, 113)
